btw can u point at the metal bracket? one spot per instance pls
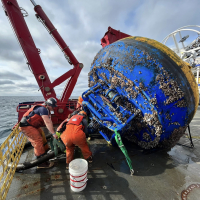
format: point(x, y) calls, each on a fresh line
point(191, 142)
point(50, 32)
point(24, 12)
point(190, 138)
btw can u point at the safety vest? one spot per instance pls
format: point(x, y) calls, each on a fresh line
point(36, 120)
point(76, 120)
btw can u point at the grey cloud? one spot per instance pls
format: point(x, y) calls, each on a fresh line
point(11, 76)
point(28, 86)
point(6, 82)
point(11, 55)
point(9, 47)
point(7, 87)
point(156, 19)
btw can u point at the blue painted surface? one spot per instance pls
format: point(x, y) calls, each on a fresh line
point(131, 60)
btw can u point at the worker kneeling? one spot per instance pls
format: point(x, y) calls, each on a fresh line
point(74, 134)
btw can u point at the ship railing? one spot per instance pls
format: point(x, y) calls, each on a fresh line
point(10, 152)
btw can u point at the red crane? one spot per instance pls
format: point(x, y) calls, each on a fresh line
point(111, 36)
point(16, 17)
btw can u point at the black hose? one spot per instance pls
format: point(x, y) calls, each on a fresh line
point(33, 163)
point(36, 162)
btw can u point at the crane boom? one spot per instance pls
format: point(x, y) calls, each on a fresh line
point(74, 73)
point(13, 11)
point(15, 15)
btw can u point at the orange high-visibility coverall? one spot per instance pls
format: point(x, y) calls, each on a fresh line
point(33, 131)
point(74, 135)
point(37, 138)
point(79, 103)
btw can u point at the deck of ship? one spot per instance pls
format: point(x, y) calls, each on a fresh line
point(159, 175)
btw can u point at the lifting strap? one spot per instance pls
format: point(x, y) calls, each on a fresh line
point(124, 151)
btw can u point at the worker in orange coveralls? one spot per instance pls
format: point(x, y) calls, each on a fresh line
point(79, 103)
point(79, 108)
point(74, 134)
point(32, 120)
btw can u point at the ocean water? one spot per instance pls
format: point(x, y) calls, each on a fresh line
point(8, 113)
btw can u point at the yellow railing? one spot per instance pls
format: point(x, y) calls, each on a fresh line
point(10, 153)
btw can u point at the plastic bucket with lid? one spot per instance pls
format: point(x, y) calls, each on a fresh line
point(78, 174)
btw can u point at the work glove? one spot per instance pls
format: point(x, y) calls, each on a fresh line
point(58, 134)
point(56, 143)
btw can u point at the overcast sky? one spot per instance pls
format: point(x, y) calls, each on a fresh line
point(82, 23)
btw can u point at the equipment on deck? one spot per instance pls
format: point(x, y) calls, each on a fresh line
point(78, 174)
point(118, 140)
point(57, 144)
point(142, 89)
point(137, 85)
point(139, 89)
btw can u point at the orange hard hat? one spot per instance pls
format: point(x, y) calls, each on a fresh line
point(82, 113)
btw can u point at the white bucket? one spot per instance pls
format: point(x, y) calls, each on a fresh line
point(78, 174)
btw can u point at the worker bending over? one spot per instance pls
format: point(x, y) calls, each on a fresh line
point(31, 123)
point(74, 134)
